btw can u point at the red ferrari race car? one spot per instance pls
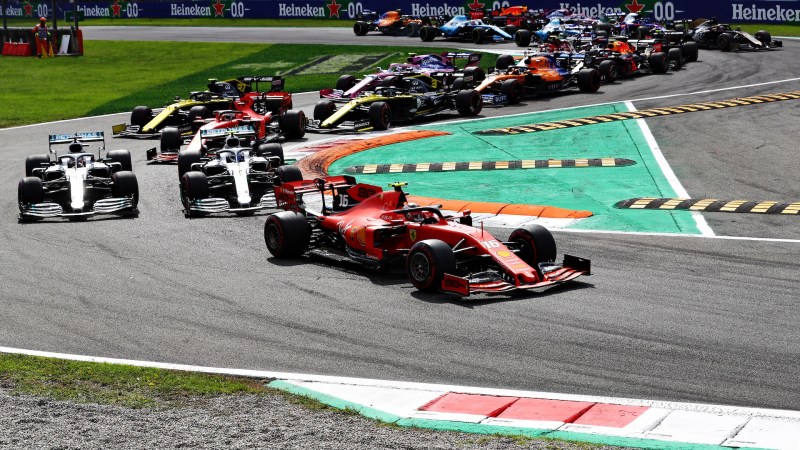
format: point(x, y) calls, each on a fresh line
point(268, 113)
point(440, 253)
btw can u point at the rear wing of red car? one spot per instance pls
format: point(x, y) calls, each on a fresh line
point(276, 82)
point(344, 190)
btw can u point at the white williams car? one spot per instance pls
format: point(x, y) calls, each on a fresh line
point(78, 184)
point(235, 178)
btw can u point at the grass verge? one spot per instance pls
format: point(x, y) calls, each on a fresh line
point(107, 79)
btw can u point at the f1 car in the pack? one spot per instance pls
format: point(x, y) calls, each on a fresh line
point(435, 70)
point(463, 28)
point(410, 98)
point(536, 74)
point(236, 178)
point(268, 113)
point(146, 122)
point(77, 184)
point(711, 34)
point(390, 22)
point(624, 58)
point(379, 228)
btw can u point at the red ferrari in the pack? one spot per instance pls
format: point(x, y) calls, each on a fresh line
point(268, 114)
point(440, 253)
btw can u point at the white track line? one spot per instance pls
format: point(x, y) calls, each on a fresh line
point(676, 185)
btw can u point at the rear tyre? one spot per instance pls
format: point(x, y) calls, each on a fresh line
point(324, 109)
point(512, 89)
point(170, 139)
point(589, 80)
point(522, 38)
point(511, 29)
point(35, 161)
point(427, 262)
point(504, 62)
point(271, 150)
point(30, 190)
point(458, 84)
point(198, 113)
point(412, 29)
point(288, 173)
point(676, 58)
point(345, 82)
point(469, 102)
point(380, 115)
point(361, 28)
point(185, 160)
point(123, 157)
point(287, 234)
point(476, 74)
point(610, 70)
point(427, 33)
point(125, 185)
point(690, 51)
point(658, 62)
point(293, 124)
point(536, 244)
point(141, 115)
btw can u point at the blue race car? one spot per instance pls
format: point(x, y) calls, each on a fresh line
point(463, 28)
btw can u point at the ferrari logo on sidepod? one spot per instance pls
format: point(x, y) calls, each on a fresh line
point(413, 235)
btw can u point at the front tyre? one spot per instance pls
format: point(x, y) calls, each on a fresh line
point(427, 33)
point(293, 124)
point(536, 244)
point(589, 80)
point(610, 70)
point(170, 139)
point(29, 191)
point(35, 161)
point(427, 262)
point(287, 234)
point(288, 173)
point(125, 185)
point(123, 157)
point(380, 115)
point(140, 116)
point(469, 102)
point(271, 150)
point(675, 57)
point(324, 109)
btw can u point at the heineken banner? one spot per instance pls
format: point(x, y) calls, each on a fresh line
point(726, 11)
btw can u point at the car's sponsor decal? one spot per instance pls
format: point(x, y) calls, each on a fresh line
point(644, 113)
point(412, 234)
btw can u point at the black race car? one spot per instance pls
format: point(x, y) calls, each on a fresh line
point(408, 99)
point(710, 34)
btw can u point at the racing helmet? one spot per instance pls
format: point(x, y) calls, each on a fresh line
point(75, 147)
point(42, 20)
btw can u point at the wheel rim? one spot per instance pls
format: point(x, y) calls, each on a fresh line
point(273, 237)
point(420, 267)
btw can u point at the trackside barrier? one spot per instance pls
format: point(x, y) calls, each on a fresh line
point(16, 49)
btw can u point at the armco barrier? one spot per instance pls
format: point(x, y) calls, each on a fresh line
point(765, 11)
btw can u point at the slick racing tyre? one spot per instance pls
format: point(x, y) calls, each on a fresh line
point(271, 150)
point(185, 160)
point(125, 185)
point(469, 102)
point(478, 35)
point(361, 28)
point(724, 42)
point(427, 33)
point(380, 115)
point(522, 38)
point(288, 173)
point(504, 62)
point(458, 84)
point(293, 124)
point(763, 36)
point(141, 115)
point(690, 51)
point(474, 75)
point(427, 262)
point(287, 234)
point(512, 89)
point(589, 80)
point(658, 62)
point(345, 82)
point(35, 161)
point(170, 139)
point(123, 157)
point(198, 113)
point(610, 70)
point(324, 109)
point(675, 57)
point(194, 185)
point(412, 29)
point(536, 244)
point(30, 190)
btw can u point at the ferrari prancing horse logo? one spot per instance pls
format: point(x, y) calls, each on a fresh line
point(413, 235)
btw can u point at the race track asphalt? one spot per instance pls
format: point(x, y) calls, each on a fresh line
point(662, 317)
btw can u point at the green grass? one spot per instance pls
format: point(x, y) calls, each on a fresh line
point(790, 30)
point(128, 386)
point(108, 80)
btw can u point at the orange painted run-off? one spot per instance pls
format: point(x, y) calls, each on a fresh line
point(481, 405)
point(316, 166)
point(545, 410)
point(549, 212)
point(616, 416)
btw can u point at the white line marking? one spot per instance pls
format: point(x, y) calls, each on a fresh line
point(678, 235)
point(720, 409)
point(676, 185)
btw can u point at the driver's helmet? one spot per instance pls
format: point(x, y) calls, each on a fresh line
point(68, 161)
point(42, 20)
point(75, 147)
point(232, 142)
